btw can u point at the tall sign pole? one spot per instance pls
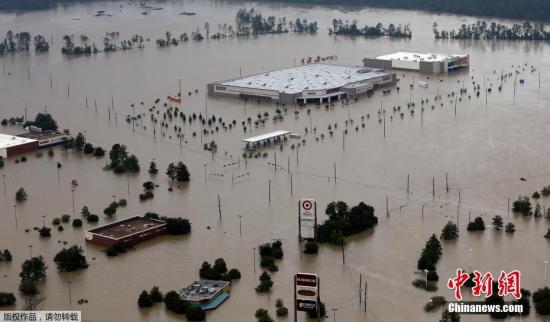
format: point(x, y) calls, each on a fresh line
point(306, 294)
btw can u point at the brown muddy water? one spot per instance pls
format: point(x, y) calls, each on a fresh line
point(485, 149)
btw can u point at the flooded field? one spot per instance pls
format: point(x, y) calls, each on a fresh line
point(485, 147)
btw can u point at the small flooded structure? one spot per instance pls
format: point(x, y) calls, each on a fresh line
point(128, 231)
point(266, 139)
point(46, 138)
point(313, 83)
point(431, 63)
point(12, 145)
point(209, 294)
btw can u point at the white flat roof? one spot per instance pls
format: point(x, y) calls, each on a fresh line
point(266, 136)
point(307, 77)
point(7, 140)
point(430, 57)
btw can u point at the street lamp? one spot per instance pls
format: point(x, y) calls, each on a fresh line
point(15, 215)
point(545, 271)
point(30, 250)
point(72, 197)
point(334, 314)
point(240, 226)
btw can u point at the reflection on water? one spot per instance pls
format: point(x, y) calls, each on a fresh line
point(484, 150)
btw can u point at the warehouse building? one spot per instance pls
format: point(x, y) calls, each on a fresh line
point(46, 138)
point(128, 231)
point(429, 63)
point(313, 83)
point(11, 145)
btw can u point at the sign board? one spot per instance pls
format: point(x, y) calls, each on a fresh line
point(305, 305)
point(306, 288)
point(307, 218)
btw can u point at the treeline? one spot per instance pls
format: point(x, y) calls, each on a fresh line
point(111, 43)
point(532, 9)
point(494, 31)
point(353, 29)
point(22, 42)
point(251, 22)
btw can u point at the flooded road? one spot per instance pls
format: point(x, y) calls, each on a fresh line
point(484, 148)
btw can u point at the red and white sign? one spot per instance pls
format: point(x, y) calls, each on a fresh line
point(307, 291)
point(308, 218)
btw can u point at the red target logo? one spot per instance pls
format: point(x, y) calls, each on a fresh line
point(307, 204)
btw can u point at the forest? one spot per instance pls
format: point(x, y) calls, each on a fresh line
point(538, 10)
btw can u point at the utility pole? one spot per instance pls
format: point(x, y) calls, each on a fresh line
point(72, 197)
point(335, 172)
point(219, 206)
point(387, 210)
point(446, 182)
point(269, 191)
point(365, 296)
point(240, 225)
point(70, 295)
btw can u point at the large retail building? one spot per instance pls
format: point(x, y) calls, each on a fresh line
point(313, 83)
point(425, 63)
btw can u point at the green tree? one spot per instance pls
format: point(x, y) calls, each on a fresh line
point(44, 121)
point(195, 313)
point(497, 222)
point(7, 299)
point(79, 142)
point(156, 294)
point(311, 247)
point(178, 172)
point(476, 225)
point(450, 231)
point(522, 205)
point(21, 195)
point(447, 316)
point(27, 287)
point(510, 227)
point(265, 283)
point(177, 225)
point(77, 222)
point(145, 299)
point(153, 168)
point(33, 269)
point(174, 303)
point(131, 164)
point(70, 259)
point(220, 266)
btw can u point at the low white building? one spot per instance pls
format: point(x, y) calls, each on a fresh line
point(431, 63)
point(313, 83)
point(11, 145)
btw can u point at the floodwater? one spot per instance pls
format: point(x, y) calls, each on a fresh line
point(484, 148)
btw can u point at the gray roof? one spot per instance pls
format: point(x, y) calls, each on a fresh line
point(307, 77)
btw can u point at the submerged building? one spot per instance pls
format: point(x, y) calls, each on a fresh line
point(313, 83)
point(425, 63)
point(11, 145)
point(128, 231)
point(209, 294)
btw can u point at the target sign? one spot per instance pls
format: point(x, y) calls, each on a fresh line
point(307, 218)
point(307, 204)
